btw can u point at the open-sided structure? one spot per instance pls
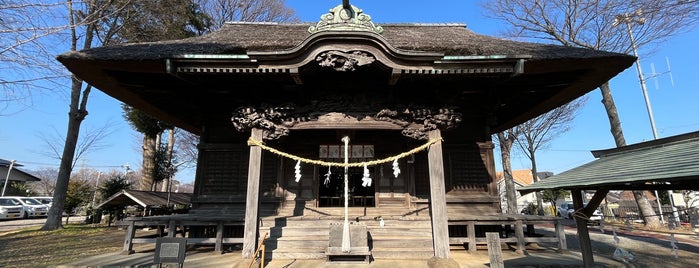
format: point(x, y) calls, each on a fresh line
point(670, 163)
point(295, 90)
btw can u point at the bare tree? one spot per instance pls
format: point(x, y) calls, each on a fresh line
point(48, 181)
point(25, 59)
point(540, 131)
point(89, 141)
point(222, 11)
point(86, 16)
point(505, 140)
point(591, 24)
point(187, 148)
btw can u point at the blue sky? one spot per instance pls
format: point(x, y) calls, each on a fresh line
point(675, 109)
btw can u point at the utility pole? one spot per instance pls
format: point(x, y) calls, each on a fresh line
point(7, 178)
point(637, 18)
point(97, 184)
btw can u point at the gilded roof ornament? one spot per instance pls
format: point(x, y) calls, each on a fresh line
point(345, 17)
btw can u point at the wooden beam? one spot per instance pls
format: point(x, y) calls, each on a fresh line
point(593, 204)
point(583, 233)
point(252, 201)
point(438, 201)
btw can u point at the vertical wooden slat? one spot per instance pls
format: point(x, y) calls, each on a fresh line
point(253, 194)
point(438, 202)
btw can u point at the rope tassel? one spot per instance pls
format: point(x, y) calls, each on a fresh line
point(297, 170)
point(366, 180)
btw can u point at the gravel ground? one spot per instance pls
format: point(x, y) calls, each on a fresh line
point(649, 249)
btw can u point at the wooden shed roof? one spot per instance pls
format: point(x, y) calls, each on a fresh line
point(672, 163)
point(147, 199)
point(16, 174)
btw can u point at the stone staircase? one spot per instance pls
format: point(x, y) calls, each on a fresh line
point(304, 233)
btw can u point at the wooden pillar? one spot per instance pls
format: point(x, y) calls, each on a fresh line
point(519, 233)
point(471, 233)
point(561, 234)
point(438, 201)
point(253, 195)
point(128, 241)
point(583, 233)
point(218, 247)
point(171, 228)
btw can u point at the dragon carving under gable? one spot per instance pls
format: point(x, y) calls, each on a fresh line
point(277, 121)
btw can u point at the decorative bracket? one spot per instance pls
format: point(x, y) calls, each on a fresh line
point(341, 18)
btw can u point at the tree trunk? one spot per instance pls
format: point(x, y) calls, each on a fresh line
point(148, 164)
point(505, 149)
point(75, 117)
point(612, 114)
point(535, 178)
point(645, 209)
point(169, 153)
point(76, 114)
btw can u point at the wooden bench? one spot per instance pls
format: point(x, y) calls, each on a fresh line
point(185, 221)
point(508, 221)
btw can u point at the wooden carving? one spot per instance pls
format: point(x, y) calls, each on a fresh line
point(341, 61)
point(418, 122)
point(277, 121)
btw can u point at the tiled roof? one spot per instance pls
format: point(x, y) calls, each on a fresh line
point(673, 160)
point(522, 176)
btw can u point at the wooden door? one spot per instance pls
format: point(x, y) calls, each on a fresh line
point(392, 190)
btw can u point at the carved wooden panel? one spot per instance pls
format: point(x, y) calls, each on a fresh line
point(224, 170)
point(465, 168)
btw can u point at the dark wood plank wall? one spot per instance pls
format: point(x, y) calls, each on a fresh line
point(222, 169)
point(465, 169)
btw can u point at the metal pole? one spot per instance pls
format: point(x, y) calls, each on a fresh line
point(97, 184)
point(627, 21)
point(346, 247)
point(7, 178)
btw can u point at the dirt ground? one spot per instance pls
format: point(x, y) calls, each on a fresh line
point(649, 249)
